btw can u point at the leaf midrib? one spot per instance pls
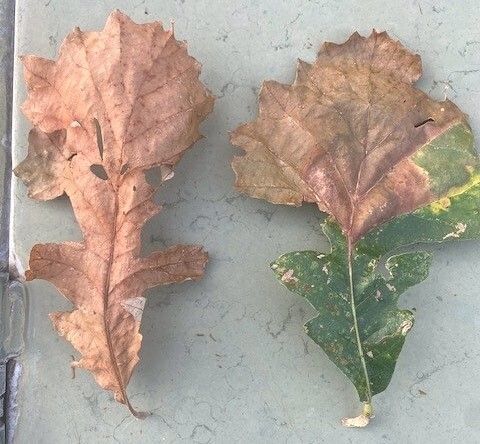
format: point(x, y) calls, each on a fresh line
point(105, 317)
point(355, 323)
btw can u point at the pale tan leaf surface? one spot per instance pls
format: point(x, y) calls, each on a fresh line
point(344, 135)
point(114, 104)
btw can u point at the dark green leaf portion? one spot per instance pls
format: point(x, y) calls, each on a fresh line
point(323, 279)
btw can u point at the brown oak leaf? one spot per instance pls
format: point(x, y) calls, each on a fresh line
point(114, 104)
point(344, 135)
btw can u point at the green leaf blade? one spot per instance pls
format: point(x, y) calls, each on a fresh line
point(323, 280)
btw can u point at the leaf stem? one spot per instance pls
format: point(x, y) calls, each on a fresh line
point(368, 401)
point(368, 409)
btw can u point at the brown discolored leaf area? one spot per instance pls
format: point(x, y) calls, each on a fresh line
point(115, 104)
point(344, 135)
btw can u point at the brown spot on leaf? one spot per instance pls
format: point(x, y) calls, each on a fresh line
point(288, 277)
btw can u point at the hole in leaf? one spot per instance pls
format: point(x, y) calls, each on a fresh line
point(99, 171)
point(72, 156)
point(124, 169)
point(418, 125)
point(98, 130)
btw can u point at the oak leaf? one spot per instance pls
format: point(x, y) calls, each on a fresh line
point(114, 104)
point(391, 167)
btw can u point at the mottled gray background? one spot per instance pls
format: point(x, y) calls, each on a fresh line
point(226, 360)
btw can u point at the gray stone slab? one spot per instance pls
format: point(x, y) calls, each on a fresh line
point(226, 360)
point(6, 67)
point(11, 294)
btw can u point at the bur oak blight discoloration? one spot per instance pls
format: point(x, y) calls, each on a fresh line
point(347, 135)
point(391, 167)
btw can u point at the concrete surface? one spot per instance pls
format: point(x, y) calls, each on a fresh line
point(226, 360)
